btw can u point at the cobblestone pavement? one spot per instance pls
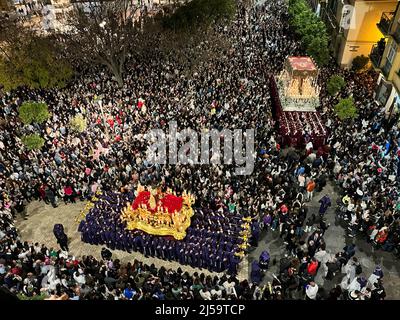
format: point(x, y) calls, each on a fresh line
point(39, 225)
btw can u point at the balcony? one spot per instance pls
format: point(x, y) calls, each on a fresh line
point(377, 54)
point(331, 20)
point(386, 22)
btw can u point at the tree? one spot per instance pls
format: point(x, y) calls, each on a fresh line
point(359, 63)
point(33, 141)
point(188, 34)
point(346, 109)
point(103, 33)
point(198, 13)
point(311, 30)
point(335, 84)
point(318, 49)
point(27, 59)
point(78, 123)
point(33, 112)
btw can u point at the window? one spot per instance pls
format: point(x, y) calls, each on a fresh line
point(383, 92)
point(392, 52)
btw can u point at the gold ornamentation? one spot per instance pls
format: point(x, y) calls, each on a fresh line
point(160, 222)
point(239, 254)
point(89, 205)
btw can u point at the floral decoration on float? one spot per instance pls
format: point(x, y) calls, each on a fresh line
point(159, 213)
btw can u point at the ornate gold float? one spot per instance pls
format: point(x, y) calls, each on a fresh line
point(159, 213)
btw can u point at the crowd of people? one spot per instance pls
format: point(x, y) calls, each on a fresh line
point(229, 91)
point(208, 243)
point(367, 169)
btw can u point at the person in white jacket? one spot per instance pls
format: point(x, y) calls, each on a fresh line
point(216, 292)
point(375, 277)
point(322, 257)
point(350, 270)
point(311, 291)
point(354, 285)
point(79, 277)
point(205, 294)
point(229, 286)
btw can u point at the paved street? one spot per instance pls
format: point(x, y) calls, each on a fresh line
point(39, 228)
point(336, 239)
point(42, 218)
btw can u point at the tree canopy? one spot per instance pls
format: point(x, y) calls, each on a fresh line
point(33, 112)
point(346, 109)
point(199, 13)
point(78, 123)
point(33, 141)
point(103, 33)
point(27, 59)
point(359, 63)
point(310, 29)
point(335, 84)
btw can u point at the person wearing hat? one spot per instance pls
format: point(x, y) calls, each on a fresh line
point(358, 283)
point(376, 275)
point(325, 202)
point(61, 237)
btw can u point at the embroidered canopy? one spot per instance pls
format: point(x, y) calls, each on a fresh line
point(301, 67)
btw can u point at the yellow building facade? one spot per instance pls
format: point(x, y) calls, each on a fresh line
point(363, 32)
point(352, 25)
point(385, 58)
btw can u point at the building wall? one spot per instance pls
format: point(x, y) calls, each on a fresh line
point(396, 62)
point(363, 33)
point(396, 97)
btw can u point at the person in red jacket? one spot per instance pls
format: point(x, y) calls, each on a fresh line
point(382, 235)
point(312, 267)
point(69, 194)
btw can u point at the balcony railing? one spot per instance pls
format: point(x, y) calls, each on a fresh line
point(386, 22)
point(330, 17)
point(376, 55)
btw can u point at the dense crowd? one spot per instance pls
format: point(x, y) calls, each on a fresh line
point(229, 91)
point(211, 241)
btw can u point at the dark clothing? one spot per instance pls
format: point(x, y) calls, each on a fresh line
point(325, 202)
